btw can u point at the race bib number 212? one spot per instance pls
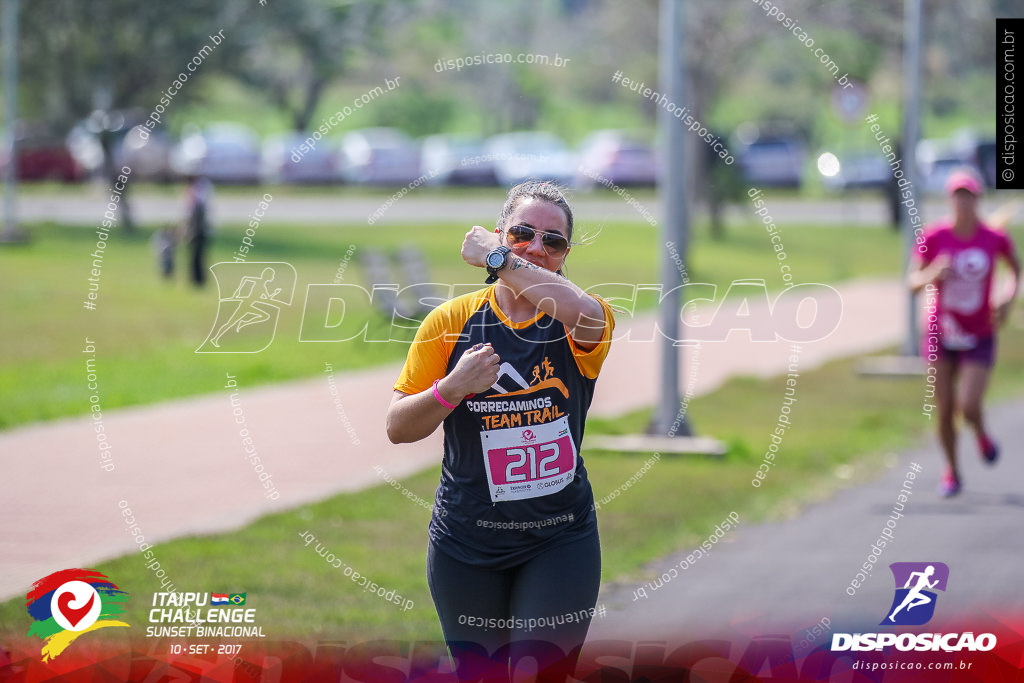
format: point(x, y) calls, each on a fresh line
point(527, 462)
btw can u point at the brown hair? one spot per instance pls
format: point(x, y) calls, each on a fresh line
point(535, 189)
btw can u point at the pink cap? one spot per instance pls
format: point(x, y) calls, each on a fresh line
point(964, 179)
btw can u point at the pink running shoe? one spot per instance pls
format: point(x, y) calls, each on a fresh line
point(989, 450)
point(949, 485)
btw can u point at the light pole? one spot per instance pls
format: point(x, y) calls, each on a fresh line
point(675, 224)
point(909, 134)
point(11, 232)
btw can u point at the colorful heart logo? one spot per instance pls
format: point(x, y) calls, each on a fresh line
point(70, 603)
point(73, 615)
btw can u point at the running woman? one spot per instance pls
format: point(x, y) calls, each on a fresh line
point(513, 561)
point(958, 259)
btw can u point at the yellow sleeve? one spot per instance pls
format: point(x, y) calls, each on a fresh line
point(434, 342)
point(590, 361)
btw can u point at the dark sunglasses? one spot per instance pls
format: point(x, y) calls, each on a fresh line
point(521, 236)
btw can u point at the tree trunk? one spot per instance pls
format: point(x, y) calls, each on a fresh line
point(127, 218)
point(716, 214)
point(110, 172)
point(304, 113)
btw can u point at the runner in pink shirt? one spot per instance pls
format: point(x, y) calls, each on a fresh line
point(955, 265)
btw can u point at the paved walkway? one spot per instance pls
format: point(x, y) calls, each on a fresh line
point(236, 206)
point(783, 577)
point(181, 469)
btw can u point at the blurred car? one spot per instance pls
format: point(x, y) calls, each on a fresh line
point(853, 170)
point(222, 152)
point(379, 156)
point(284, 162)
point(456, 160)
point(937, 171)
point(530, 155)
point(984, 158)
point(84, 146)
point(42, 155)
point(978, 153)
point(617, 158)
point(146, 152)
point(771, 161)
point(936, 159)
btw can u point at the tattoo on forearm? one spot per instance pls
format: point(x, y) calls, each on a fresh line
point(522, 263)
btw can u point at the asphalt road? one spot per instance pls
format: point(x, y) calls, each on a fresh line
point(783, 577)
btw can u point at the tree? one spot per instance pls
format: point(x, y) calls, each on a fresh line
point(297, 49)
point(114, 55)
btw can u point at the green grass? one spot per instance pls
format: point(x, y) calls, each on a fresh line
point(844, 425)
point(146, 330)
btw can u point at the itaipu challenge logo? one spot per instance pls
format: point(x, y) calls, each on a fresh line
point(70, 603)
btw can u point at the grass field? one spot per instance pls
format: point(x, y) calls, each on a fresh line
point(146, 330)
point(845, 428)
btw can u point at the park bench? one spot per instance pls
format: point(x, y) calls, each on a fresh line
point(418, 294)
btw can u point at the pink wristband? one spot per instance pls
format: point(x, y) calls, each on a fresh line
point(440, 399)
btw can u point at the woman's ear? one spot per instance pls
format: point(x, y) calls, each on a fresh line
point(561, 268)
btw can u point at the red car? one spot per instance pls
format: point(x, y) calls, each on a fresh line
point(44, 157)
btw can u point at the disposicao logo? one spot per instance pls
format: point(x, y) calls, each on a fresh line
point(259, 290)
point(913, 604)
point(69, 603)
point(919, 581)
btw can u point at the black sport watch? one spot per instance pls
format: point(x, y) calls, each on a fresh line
point(495, 261)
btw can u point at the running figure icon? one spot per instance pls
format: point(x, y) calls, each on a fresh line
point(254, 298)
point(915, 597)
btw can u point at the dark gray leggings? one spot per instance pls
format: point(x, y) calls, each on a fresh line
point(540, 609)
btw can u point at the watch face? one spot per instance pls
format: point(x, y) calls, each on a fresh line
point(494, 260)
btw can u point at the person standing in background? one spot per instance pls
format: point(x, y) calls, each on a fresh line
point(198, 195)
point(164, 242)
